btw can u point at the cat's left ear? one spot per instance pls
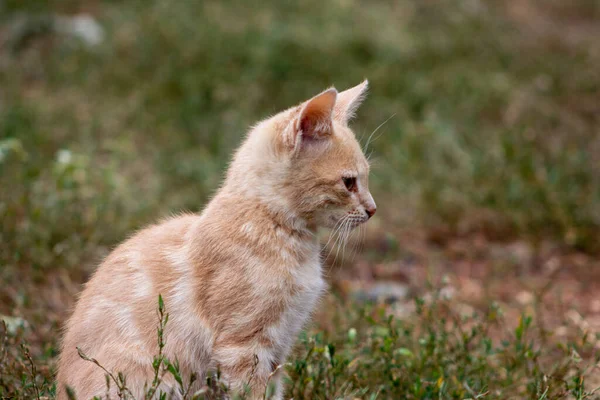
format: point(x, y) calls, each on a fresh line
point(348, 102)
point(314, 121)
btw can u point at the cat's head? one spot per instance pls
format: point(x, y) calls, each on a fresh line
point(306, 163)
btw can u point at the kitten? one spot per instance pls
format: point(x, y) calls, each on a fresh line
point(239, 280)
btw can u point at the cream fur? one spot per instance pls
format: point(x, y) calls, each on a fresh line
point(239, 280)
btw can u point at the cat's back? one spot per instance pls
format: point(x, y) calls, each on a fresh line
point(143, 263)
point(116, 313)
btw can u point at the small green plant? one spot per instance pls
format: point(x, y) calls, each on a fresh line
point(161, 366)
point(19, 374)
point(437, 353)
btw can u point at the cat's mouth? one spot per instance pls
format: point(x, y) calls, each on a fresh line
point(349, 221)
point(354, 222)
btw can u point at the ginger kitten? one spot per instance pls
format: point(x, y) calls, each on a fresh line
point(239, 280)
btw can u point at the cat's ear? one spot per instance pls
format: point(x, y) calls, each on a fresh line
point(348, 101)
point(314, 121)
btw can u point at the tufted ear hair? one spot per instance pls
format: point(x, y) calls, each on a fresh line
point(314, 121)
point(348, 102)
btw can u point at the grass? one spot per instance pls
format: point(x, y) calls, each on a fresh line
point(438, 353)
point(493, 134)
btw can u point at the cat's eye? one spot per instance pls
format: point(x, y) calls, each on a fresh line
point(350, 183)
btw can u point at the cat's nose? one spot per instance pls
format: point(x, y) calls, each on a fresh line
point(369, 204)
point(371, 211)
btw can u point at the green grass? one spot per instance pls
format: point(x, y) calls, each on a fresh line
point(438, 353)
point(487, 132)
point(493, 131)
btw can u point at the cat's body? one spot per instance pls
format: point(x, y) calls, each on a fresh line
point(238, 281)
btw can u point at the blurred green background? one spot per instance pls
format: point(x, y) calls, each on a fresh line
point(494, 106)
point(116, 113)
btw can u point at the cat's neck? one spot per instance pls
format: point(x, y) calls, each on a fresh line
point(237, 209)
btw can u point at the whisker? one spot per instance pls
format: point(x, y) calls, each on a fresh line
point(335, 246)
point(342, 239)
point(357, 242)
point(333, 231)
point(376, 129)
point(339, 226)
point(346, 235)
point(344, 242)
point(361, 239)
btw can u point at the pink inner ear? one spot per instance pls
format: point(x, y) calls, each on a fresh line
point(315, 118)
point(315, 126)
